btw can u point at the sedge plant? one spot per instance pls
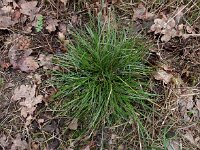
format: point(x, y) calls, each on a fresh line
point(103, 77)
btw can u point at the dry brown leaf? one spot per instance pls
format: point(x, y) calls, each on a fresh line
point(179, 14)
point(30, 9)
point(28, 64)
point(73, 124)
point(35, 146)
point(168, 34)
point(5, 10)
point(190, 29)
point(52, 24)
point(24, 91)
point(37, 78)
point(45, 61)
point(87, 147)
point(173, 145)
point(4, 141)
point(185, 102)
point(61, 36)
point(6, 22)
point(29, 105)
point(189, 137)
point(62, 28)
point(19, 144)
point(64, 2)
point(163, 76)
point(18, 42)
point(142, 13)
point(28, 93)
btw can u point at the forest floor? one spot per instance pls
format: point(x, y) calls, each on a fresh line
point(32, 32)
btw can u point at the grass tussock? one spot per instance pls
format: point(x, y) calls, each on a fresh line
point(104, 77)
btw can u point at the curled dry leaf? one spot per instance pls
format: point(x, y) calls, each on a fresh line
point(6, 22)
point(24, 91)
point(64, 2)
point(36, 78)
point(179, 13)
point(29, 9)
point(19, 144)
point(62, 28)
point(45, 61)
point(73, 124)
point(29, 105)
point(173, 145)
point(28, 93)
point(87, 147)
point(19, 53)
point(165, 27)
point(168, 27)
point(162, 75)
point(28, 64)
point(5, 10)
point(189, 136)
point(3, 141)
point(141, 13)
point(51, 24)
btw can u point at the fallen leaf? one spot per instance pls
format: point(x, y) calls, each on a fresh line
point(30, 100)
point(53, 144)
point(30, 9)
point(190, 29)
point(74, 20)
point(28, 120)
point(61, 36)
point(189, 137)
point(74, 124)
point(6, 10)
point(186, 102)
point(28, 64)
point(24, 91)
point(179, 13)
point(4, 141)
point(5, 65)
point(87, 147)
point(51, 24)
point(64, 2)
point(163, 76)
point(62, 27)
point(141, 13)
point(35, 146)
point(45, 61)
point(19, 144)
point(173, 145)
point(29, 105)
point(36, 78)
point(18, 43)
point(6, 22)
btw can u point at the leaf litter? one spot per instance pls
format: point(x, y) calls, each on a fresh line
point(29, 104)
point(167, 26)
point(19, 53)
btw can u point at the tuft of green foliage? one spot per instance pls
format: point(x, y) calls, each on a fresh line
point(103, 78)
point(39, 24)
point(1, 82)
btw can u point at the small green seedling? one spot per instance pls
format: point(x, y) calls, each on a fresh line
point(39, 24)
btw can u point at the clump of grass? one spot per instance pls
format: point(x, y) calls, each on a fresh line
point(104, 77)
